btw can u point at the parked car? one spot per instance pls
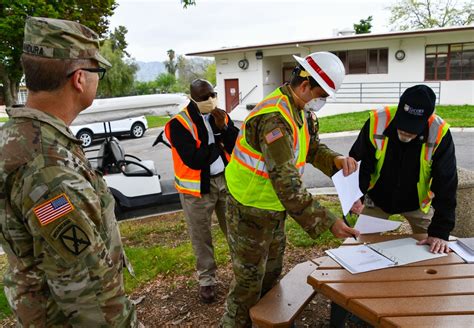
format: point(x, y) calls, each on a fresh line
point(135, 127)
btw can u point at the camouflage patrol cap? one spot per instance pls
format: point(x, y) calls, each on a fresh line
point(61, 39)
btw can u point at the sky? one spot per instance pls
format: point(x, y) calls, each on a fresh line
point(154, 26)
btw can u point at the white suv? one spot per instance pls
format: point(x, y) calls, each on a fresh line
point(135, 127)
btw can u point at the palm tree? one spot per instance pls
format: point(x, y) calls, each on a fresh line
point(170, 63)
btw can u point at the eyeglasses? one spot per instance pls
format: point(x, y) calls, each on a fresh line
point(207, 96)
point(99, 70)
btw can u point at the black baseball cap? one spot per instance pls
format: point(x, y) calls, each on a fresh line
point(415, 107)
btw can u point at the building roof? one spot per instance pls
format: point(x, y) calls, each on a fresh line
point(356, 37)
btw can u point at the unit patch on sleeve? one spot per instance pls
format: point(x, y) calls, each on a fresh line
point(274, 135)
point(53, 209)
point(75, 240)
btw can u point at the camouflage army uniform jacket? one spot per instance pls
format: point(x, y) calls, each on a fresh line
point(279, 159)
point(58, 229)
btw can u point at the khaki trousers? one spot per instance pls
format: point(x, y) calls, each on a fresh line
point(418, 220)
point(198, 214)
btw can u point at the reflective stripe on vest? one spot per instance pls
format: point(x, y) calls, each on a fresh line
point(253, 159)
point(379, 121)
point(184, 118)
point(183, 185)
point(187, 180)
point(247, 176)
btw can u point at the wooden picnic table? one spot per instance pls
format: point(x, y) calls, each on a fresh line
point(432, 293)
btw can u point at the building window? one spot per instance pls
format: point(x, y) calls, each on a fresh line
point(365, 61)
point(357, 61)
point(449, 62)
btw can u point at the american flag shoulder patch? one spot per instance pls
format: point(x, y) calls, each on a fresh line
point(275, 134)
point(53, 209)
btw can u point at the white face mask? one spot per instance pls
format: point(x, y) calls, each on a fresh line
point(403, 138)
point(206, 106)
point(314, 105)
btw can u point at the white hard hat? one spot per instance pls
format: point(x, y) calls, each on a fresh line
point(326, 68)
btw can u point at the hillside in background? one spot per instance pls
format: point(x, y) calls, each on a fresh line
point(148, 71)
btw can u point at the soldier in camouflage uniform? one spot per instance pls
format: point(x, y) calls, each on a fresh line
point(56, 213)
point(264, 181)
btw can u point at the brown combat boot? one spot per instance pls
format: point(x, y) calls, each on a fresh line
point(207, 294)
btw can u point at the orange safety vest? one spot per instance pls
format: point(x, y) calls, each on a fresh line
point(187, 180)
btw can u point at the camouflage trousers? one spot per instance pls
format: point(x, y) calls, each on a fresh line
point(256, 242)
point(44, 311)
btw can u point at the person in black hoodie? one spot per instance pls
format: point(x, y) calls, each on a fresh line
point(409, 167)
point(202, 137)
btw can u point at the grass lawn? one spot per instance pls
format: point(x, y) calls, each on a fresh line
point(457, 116)
point(162, 246)
point(3, 119)
point(157, 121)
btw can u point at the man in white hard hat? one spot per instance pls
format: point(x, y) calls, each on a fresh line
point(264, 181)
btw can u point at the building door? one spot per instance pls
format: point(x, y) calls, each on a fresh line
point(287, 70)
point(231, 94)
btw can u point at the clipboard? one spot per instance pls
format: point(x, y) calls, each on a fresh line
point(392, 253)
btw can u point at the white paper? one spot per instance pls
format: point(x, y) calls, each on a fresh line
point(368, 224)
point(405, 251)
point(357, 259)
point(363, 258)
point(461, 251)
point(347, 188)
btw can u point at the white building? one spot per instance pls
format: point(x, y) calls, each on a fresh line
point(379, 67)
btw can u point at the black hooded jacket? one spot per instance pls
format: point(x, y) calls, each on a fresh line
point(396, 189)
point(201, 158)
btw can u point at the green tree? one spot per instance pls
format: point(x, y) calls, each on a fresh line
point(210, 73)
point(187, 71)
point(419, 14)
point(170, 64)
point(118, 39)
point(190, 69)
point(145, 88)
point(183, 73)
point(187, 3)
point(364, 26)
point(92, 13)
point(120, 78)
point(165, 82)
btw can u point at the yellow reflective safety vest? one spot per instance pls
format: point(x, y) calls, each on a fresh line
point(186, 180)
point(246, 174)
point(379, 121)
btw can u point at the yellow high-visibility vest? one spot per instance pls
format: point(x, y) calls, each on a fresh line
point(247, 175)
point(379, 121)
